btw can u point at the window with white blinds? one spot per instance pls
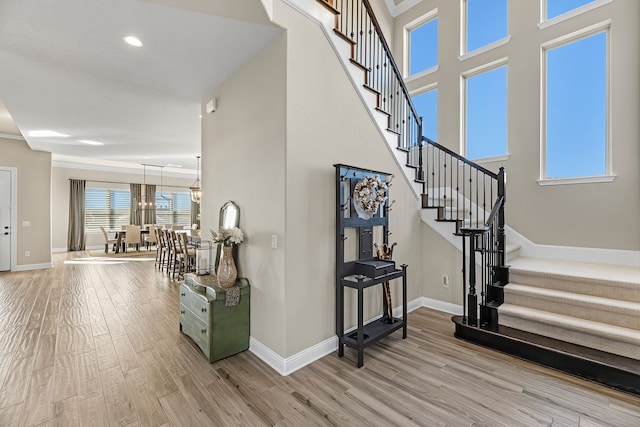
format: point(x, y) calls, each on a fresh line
point(173, 208)
point(106, 207)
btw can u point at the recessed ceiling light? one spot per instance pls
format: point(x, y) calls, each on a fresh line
point(132, 41)
point(46, 133)
point(146, 157)
point(88, 141)
point(173, 166)
point(200, 116)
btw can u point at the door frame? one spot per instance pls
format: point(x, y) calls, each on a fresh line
point(13, 216)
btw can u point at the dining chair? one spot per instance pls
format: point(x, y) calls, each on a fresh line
point(188, 253)
point(171, 251)
point(107, 241)
point(174, 260)
point(133, 236)
point(162, 250)
point(151, 238)
point(177, 227)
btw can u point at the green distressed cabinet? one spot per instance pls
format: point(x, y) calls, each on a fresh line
point(218, 330)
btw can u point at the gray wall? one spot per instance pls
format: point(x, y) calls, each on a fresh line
point(34, 200)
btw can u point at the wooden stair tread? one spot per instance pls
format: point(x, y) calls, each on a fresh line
point(329, 7)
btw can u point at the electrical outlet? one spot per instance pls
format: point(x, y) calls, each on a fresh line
point(445, 281)
point(26, 223)
point(274, 241)
point(27, 253)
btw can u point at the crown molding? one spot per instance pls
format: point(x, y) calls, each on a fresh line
point(84, 163)
point(11, 136)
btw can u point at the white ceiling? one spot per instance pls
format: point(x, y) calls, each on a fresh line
point(65, 67)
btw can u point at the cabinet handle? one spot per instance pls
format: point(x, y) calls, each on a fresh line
point(183, 294)
point(204, 309)
point(181, 311)
point(204, 331)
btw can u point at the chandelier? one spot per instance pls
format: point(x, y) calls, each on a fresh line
point(143, 204)
point(196, 191)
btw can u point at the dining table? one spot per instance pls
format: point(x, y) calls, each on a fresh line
point(121, 234)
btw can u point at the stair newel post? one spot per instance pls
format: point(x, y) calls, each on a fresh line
point(464, 280)
point(472, 298)
point(420, 145)
point(502, 192)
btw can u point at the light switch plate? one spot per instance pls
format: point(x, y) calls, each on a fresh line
point(274, 241)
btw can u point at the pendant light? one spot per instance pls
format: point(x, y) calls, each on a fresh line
point(196, 191)
point(143, 204)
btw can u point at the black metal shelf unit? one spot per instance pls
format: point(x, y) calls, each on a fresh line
point(348, 215)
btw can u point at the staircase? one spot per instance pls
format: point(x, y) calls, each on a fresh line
point(562, 315)
point(592, 305)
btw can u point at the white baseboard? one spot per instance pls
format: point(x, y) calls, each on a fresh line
point(287, 365)
point(26, 267)
point(445, 307)
point(58, 250)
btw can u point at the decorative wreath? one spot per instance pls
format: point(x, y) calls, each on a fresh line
point(369, 193)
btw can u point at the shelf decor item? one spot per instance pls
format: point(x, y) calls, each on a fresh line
point(368, 194)
point(227, 272)
point(227, 237)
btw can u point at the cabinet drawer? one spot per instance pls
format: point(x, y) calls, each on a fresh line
point(197, 303)
point(199, 331)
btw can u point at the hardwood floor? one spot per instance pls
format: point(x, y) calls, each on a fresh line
point(96, 343)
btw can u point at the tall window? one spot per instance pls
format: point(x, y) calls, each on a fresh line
point(576, 107)
point(485, 127)
point(423, 46)
point(106, 207)
point(558, 7)
point(427, 105)
point(173, 208)
point(486, 22)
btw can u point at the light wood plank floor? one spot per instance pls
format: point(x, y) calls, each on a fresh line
point(96, 343)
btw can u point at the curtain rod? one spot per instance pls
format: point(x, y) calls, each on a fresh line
point(127, 183)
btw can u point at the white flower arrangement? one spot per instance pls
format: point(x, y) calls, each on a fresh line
point(370, 192)
point(227, 236)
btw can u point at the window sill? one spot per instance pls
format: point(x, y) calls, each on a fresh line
point(576, 180)
point(493, 159)
point(573, 13)
point(421, 74)
point(496, 44)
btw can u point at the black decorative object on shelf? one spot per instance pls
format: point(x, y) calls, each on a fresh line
point(362, 203)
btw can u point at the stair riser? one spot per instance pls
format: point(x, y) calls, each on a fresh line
point(567, 307)
point(580, 338)
point(622, 292)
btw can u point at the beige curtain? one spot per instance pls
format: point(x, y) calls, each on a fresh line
point(135, 212)
point(150, 196)
point(195, 214)
point(75, 234)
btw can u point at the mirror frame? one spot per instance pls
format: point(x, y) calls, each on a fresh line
point(229, 206)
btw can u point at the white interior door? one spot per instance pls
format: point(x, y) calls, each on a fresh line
point(5, 220)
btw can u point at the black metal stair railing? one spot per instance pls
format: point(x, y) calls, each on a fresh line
point(462, 191)
point(356, 23)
